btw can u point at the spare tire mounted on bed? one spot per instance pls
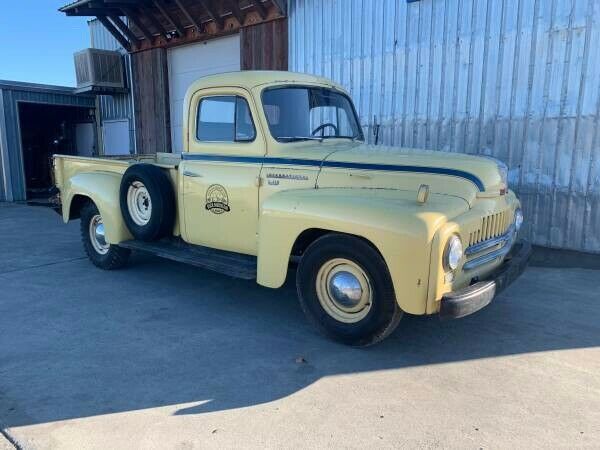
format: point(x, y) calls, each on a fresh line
point(147, 202)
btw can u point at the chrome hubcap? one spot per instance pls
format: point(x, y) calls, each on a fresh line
point(139, 203)
point(97, 235)
point(344, 290)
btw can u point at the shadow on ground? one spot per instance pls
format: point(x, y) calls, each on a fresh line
point(76, 341)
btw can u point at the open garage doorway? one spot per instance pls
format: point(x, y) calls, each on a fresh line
point(45, 130)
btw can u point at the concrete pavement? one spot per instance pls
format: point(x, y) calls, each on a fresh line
point(161, 355)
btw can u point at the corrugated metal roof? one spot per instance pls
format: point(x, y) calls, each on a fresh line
point(25, 86)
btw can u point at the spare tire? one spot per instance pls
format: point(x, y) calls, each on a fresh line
point(147, 202)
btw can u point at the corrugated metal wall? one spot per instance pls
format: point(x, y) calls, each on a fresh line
point(11, 169)
point(515, 79)
point(120, 106)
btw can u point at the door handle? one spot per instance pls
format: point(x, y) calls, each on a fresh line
point(187, 173)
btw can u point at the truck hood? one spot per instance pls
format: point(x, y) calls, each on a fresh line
point(368, 166)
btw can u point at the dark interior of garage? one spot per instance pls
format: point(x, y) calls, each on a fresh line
point(47, 130)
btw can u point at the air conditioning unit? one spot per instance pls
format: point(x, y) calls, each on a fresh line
point(99, 71)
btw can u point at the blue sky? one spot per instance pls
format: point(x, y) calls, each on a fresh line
point(37, 42)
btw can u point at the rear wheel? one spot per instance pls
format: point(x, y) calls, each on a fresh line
point(101, 253)
point(346, 291)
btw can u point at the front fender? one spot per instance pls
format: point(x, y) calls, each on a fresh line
point(391, 220)
point(103, 189)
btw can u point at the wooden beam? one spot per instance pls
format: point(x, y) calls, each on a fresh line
point(116, 20)
point(131, 15)
point(155, 23)
point(281, 6)
point(236, 11)
point(189, 16)
point(212, 13)
point(91, 11)
point(262, 11)
point(172, 20)
point(116, 33)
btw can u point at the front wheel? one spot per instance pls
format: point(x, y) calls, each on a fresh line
point(101, 253)
point(346, 291)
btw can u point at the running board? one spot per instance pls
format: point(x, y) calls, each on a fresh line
point(229, 263)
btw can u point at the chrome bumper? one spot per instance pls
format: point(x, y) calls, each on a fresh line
point(475, 297)
point(498, 248)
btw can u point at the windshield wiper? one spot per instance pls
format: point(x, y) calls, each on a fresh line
point(299, 138)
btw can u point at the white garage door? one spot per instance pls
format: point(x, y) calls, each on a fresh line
point(190, 62)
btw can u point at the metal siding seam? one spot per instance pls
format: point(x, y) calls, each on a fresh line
point(559, 137)
point(514, 79)
point(501, 32)
point(470, 87)
point(486, 51)
point(546, 90)
point(455, 78)
point(443, 78)
point(6, 192)
point(575, 153)
point(405, 93)
point(429, 81)
point(394, 77)
point(415, 115)
point(530, 76)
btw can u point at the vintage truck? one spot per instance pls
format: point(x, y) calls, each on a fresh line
point(275, 174)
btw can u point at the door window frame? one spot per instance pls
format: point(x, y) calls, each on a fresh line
point(241, 148)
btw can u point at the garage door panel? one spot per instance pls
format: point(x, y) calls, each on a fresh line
point(191, 62)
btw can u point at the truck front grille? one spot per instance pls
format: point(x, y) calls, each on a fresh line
point(492, 226)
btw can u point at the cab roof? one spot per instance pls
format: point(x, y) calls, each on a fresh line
point(249, 79)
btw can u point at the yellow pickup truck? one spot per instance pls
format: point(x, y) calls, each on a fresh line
point(275, 174)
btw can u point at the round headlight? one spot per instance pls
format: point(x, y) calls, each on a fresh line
point(518, 219)
point(454, 253)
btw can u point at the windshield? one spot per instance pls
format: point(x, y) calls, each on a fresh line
point(300, 113)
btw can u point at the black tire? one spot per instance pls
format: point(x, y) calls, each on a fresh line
point(384, 314)
point(162, 196)
point(115, 258)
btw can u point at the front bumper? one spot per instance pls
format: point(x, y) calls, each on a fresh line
point(466, 301)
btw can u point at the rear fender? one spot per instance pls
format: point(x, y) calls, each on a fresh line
point(103, 189)
point(397, 227)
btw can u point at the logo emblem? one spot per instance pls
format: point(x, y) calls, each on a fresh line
point(217, 201)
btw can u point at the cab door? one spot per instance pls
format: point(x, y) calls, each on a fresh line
point(220, 170)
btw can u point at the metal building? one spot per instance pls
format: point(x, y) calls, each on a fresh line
point(36, 121)
point(513, 79)
point(116, 130)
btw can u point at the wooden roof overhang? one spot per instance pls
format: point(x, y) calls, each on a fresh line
point(144, 24)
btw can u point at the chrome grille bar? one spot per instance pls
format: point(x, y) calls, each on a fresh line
point(504, 242)
point(477, 248)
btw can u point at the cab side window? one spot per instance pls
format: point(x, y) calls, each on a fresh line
point(224, 118)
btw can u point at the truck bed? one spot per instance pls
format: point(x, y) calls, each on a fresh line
point(65, 166)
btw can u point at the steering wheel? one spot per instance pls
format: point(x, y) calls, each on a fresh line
point(322, 127)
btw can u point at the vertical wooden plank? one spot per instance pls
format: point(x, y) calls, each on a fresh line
point(152, 109)
point(265, 46)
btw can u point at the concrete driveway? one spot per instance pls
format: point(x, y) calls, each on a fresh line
point(161, 355)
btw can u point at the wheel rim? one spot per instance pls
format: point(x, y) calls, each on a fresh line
point(139, 203)
point(97, 235)
point(344, 290)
